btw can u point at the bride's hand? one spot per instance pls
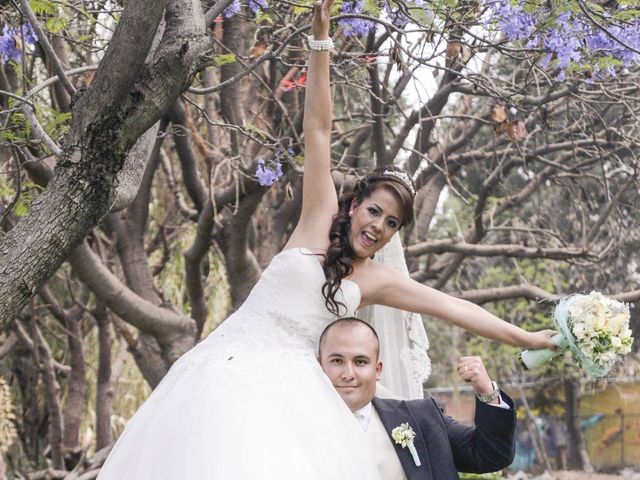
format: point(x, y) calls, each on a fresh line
point(541, 339)
point(321, 19)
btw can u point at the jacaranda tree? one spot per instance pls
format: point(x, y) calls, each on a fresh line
point(152, 154)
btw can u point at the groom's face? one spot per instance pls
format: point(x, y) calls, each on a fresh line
point(349, 357)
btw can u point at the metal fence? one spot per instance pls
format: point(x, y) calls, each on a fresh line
point(612, 441)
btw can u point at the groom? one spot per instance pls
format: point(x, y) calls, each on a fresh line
point(348, 354)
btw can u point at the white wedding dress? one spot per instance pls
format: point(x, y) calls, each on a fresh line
point(251, 401)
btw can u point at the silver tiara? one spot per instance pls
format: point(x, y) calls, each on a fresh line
point(404, 178)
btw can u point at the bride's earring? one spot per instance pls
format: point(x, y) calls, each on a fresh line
point(351, 213)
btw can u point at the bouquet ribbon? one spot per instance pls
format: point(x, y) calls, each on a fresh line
point(536, 358)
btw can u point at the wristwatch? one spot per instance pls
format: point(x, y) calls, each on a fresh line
point(489, 397)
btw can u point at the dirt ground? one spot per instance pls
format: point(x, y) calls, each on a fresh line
point(573, 475)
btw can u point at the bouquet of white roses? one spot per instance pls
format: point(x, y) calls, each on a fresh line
point(595, 328)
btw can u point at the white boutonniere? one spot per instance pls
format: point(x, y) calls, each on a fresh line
point(404, 435)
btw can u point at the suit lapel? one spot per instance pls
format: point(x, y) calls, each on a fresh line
point(393, 414)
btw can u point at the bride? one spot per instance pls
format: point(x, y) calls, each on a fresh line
point(250, 401)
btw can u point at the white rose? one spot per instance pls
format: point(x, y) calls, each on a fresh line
point(589, 321)
point(626, 348)
point(608, 356)
point(617, 322)
point(601, 319)
point(587, 349)
point(579, 331)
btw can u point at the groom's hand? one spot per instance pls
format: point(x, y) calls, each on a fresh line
point(472, 371)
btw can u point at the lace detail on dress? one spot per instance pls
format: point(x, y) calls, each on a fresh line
point(414, 356)
point(292, 327)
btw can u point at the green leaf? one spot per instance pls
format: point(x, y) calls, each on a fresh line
point(6, 191)
point(421, 16)
point(58, 125)
point(8, 135)
point(43, 7)
point(626, 15)
point(264, 17)
point(28, 193)
point(303, 7)
point(608, 61)
point(629, 3)
point(372, 7)
point(55, 24)
point(20, 209)
point(224, 59)
point(252, 128)
point(481, 476)
point(531, 7)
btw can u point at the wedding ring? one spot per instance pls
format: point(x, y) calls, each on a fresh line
point(466, 368)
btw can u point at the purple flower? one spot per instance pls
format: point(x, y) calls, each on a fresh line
point(29, 35)
point(514, 22)
point(267, 175)
point(232, 9)
point(355, 26)
point(256, 5)
point(9, 46)
point(8, 49)
point(396, 15)
point(568, 38)
point(603, 45)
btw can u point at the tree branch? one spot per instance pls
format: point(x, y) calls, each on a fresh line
point(505, 250)
point(46, 46)
point(123, 302)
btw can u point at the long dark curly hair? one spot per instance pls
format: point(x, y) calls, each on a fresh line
point(338, 262)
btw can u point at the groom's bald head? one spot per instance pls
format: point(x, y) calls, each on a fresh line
point(348, 323)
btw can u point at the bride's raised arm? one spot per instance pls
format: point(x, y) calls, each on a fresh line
point(319, 200)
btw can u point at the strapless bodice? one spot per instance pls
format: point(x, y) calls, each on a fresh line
point(286, 308)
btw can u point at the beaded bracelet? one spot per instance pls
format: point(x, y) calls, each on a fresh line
point(320, 45)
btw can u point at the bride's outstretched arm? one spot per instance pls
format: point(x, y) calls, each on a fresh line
point(396, 290)
point(319, 200)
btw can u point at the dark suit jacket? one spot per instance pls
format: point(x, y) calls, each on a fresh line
point(445, 446)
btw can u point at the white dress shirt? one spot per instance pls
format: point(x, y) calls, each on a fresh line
point(364, 416)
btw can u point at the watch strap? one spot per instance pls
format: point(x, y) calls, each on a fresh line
point(489, 397)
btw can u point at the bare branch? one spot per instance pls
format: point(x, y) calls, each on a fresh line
point(46, 46)
point(519, 251)
point(127, 305)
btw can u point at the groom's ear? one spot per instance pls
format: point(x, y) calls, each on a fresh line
point(378, 370)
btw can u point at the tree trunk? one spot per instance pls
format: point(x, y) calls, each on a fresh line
point(105, 391)
point(577, 449)
point(125, 99)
